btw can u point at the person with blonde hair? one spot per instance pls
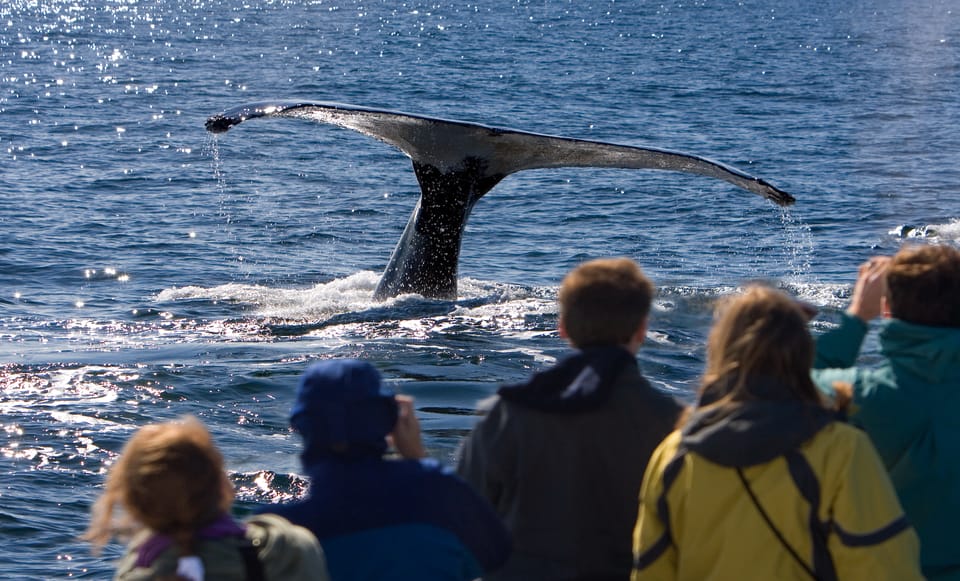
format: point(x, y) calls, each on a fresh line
point(174, 496)
point(561, 455)
point(762, 480)
point(908, 400)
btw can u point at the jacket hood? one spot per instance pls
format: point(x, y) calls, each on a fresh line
point(343, 411)
point(756, 431)
point(580, 382)
point(931, 353)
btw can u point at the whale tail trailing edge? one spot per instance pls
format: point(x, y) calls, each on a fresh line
point(457, 163)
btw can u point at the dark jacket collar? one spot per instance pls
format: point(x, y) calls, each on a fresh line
point(756, 431)
point(582, 381)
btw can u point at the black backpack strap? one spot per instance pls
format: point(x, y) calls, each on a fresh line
point(806, 481)
point(773, 528)
point(251, 562)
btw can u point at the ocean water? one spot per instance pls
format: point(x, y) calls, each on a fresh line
point(149, 269)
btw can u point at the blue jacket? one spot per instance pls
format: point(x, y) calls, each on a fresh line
point(909, 404)
point(380, 519)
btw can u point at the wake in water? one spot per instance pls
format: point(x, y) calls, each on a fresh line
point(345, 306)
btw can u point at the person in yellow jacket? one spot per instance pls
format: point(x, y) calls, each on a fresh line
point(762, 480)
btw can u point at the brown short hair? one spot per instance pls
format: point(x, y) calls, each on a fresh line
point(170, 479)
point(923, 285)
point(604, 302)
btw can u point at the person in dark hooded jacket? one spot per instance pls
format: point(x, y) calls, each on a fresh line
point(763, 480)
point(380, 518)
point(561, 456)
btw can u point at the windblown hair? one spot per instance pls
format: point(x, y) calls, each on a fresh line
point(170, 479)
point(760, 335)
point(923, 285)
point(603, 302)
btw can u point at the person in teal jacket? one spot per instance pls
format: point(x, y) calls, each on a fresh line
point(909, 401)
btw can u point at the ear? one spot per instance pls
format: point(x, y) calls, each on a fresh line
point(639, 336)
point(562, 329)
point(885, 308)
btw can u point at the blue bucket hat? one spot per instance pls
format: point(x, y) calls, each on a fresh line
point(343, 410)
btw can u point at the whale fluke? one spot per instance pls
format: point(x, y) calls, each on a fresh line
point(457, 163)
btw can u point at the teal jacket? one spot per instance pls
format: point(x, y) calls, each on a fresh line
point(909, 404)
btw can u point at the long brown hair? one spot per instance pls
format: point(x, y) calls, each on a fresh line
point(170, 479)
point(760, 334)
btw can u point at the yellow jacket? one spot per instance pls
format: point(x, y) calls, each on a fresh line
point(705, 526)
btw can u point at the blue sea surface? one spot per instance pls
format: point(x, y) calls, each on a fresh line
point(149, 269)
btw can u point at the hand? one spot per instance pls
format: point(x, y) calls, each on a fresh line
point(870, 289)
point(406, 434)
point(842, 396)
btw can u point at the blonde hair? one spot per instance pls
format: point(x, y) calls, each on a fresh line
point(604, 302)
point(760, 334)
point(170, 479)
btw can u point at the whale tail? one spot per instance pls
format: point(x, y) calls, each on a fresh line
point(457, 163)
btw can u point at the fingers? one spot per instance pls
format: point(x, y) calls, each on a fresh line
point(870, 288)
point(406, 433)
point(876, 263)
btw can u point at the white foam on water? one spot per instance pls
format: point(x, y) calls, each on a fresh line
point(343, 295)
point(948, 232)
point(354, 293)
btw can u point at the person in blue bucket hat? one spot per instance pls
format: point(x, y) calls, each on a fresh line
point(344, 411)
point(377, 517)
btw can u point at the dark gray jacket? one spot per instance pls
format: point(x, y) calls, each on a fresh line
point(567, 482)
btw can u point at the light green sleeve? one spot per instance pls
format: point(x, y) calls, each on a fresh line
point(840, 347)
point(836, 354)
point(287, 551)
